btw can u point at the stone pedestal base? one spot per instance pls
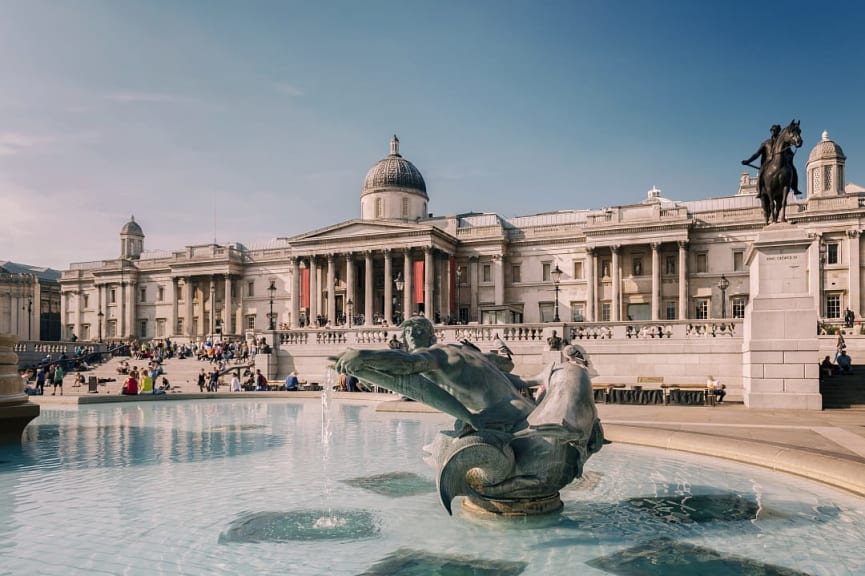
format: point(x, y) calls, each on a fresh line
point(13, 420)
point(16, 410)
point(513, 507)
point(780, 349)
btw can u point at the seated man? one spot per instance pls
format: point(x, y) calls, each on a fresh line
point(845, 364)
point(827, 368)
point(291, 382)
point(715, 388)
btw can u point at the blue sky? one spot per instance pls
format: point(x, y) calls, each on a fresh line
point(248, 120)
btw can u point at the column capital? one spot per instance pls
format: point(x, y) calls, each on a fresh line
point(683, 244)
point(655, 246)
point(616, 248)
point(853, 233)
point(590, 250)
point(330, 257)
point(387, 251)
point(498, 257)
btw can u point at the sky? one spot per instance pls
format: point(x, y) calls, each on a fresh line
point(247, 120)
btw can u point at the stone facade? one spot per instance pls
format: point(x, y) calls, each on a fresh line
point(656, 260)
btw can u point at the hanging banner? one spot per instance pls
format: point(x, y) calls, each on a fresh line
point(304, 288)
point(417, 281)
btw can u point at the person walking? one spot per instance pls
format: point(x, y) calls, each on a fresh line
point(58, 379)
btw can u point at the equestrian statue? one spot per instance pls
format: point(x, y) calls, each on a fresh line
point(777, 175)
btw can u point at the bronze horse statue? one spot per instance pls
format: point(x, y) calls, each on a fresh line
point(776, 177)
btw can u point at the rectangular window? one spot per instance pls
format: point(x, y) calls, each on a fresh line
point(605, 311)
point(250, 322)
point(827, 177)
point(739, 303)
point(160, 294)
point(379, 208)
point(545, 272)
point(515, 273)
point(250, 288)
point(637, 266)
point(578, 311)
point(405, 207)
point(70, 331)
point(178, 294)
point(86, 301)
point(702, 262)
point(179, 327)
point(143, 295)
point(671, 310)
point(670, 265)
point(112, 296)
point(193, 328)
point(487, 273)
point(832, 254)
point(578, 270)
point(85, 332)
point(142, 328)
point(701, 310)
point(546, 311)
point(833, 306)
point(111, 329)
point(738, 261)
point(160, 327)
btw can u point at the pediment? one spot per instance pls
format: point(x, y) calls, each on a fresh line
point(355, 229)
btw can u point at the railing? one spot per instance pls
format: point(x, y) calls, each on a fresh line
point(529, 333)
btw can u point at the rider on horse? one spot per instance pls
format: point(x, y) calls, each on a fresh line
point(764, 153)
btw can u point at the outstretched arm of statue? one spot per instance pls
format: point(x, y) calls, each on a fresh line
point(386, 361)
point(756, 155)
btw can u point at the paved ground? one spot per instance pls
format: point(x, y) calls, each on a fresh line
point(824, 445)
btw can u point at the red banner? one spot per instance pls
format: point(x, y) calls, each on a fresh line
point(417, 281)
point(304, 288)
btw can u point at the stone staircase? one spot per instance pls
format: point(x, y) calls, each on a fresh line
point(180, 373)
point(844, 390)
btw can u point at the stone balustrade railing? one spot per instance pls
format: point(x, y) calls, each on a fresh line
point(530, 333)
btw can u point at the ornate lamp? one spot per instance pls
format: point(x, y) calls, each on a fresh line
point(557, 276)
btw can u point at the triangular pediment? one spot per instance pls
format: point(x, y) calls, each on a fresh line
point(354, 229)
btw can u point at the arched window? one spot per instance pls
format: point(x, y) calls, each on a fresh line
point(379, 207)
point(405, 207)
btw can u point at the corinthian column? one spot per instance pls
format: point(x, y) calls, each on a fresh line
point(388, 285)
point(591, 282)
point(656, 280)
point(617, 292)
point(368, 289)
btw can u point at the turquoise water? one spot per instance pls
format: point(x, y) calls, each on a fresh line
point(249, 487)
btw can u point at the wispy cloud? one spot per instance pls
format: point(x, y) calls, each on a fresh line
point(12, 143)
point(288, 89)
point(131, 97)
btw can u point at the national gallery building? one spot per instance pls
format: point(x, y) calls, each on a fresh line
point(656, 260)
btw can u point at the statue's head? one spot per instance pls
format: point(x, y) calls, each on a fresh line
point(775, 129)
point(417, 332)
point(576, 354)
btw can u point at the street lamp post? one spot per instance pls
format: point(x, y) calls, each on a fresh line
point(723, 284)
point(557, 276)
point(100, 315)
point(399, 283)
point(350, 305)
point(272, 290)
point(459, 287)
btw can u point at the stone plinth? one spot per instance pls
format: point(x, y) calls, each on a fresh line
point(16, 410)
point(780, 347)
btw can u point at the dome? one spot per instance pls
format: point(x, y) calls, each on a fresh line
point(132, 228)
point(826, 150)
point(394, 172)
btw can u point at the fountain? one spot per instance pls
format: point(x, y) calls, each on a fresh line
point(506, 454)
point(16, 410)
point(237, 486)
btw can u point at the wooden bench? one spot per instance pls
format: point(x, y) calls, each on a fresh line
point(602, 391)
point(683, 392)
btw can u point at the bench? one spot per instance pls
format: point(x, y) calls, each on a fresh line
point(602, 391)
point(688, 395)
